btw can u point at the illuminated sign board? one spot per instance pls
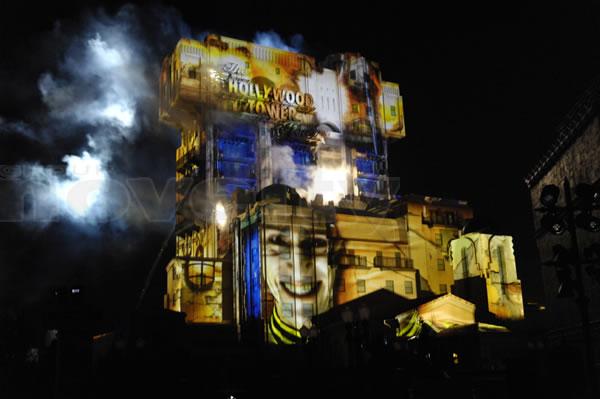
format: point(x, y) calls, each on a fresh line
point(262, 99)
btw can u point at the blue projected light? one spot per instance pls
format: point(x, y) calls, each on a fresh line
point(367, 166)
point(252, 272)
point(235, 149)
point(239, 170)
point(368, 186)
point(236, 159)
point(302, 155)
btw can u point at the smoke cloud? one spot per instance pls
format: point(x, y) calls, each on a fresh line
point(329, 180)
point(100, 104)
point(283, 166)
point(87, 189)
point(272, 39)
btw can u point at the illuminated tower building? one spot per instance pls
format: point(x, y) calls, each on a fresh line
point(284, 206)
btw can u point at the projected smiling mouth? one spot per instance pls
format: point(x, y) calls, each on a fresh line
point(300, 290)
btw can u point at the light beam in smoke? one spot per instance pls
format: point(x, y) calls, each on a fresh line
point(220, 215)
point(330, 182)
point(123, 115)
point(83, 186)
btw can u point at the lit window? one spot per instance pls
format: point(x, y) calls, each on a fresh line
point(287, 310)
point(389, 285)
point(341, 285)
point(307, 310)
point(441, 265)
point(393, 110)
point(451, 217)
point(277, 71)
point(361, 286)
point(408, 287)
point(355, 108)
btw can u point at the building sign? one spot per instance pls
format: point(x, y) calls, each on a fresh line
point(276, 103)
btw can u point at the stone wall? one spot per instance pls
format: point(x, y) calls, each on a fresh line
point(580, 164)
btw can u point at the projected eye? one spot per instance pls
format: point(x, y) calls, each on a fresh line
point(280, 244)
point(319, 245)
point(279, 239)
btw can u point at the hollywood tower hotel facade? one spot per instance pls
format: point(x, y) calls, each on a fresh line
point(283, 197)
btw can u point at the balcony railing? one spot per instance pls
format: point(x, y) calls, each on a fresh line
point(353, 261)
point(445, 220)
point(389, 262)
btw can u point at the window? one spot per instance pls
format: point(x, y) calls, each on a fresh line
point(393, 110)
point(441, 265)
point(361, 287)
point(277, 71)
point(355, 108)
point(408, 287)
point(443, 288)
point(438, 239)
point(192, 74)
point(451, 217)
point(353, 75)
point(341, 285)
point(287, 309)
point(281, 243)
point(389, 285)
point(307, 310)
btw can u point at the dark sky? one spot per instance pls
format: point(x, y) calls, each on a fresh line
point(483, 90)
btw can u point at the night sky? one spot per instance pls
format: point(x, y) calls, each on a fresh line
point(483, 92)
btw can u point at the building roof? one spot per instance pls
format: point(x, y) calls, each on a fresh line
point(437, 201)
point(571, 127)
point(382, 304)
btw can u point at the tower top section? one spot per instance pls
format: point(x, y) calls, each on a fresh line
point(344, 94)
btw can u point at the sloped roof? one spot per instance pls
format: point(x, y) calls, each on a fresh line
point(382, 304)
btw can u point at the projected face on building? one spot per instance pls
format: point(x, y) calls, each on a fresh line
point(298, 274)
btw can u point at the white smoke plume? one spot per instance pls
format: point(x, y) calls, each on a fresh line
point(18, 127)
point(101, 100)
point(328, 180)
point(283, 166)
point(272, 39)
